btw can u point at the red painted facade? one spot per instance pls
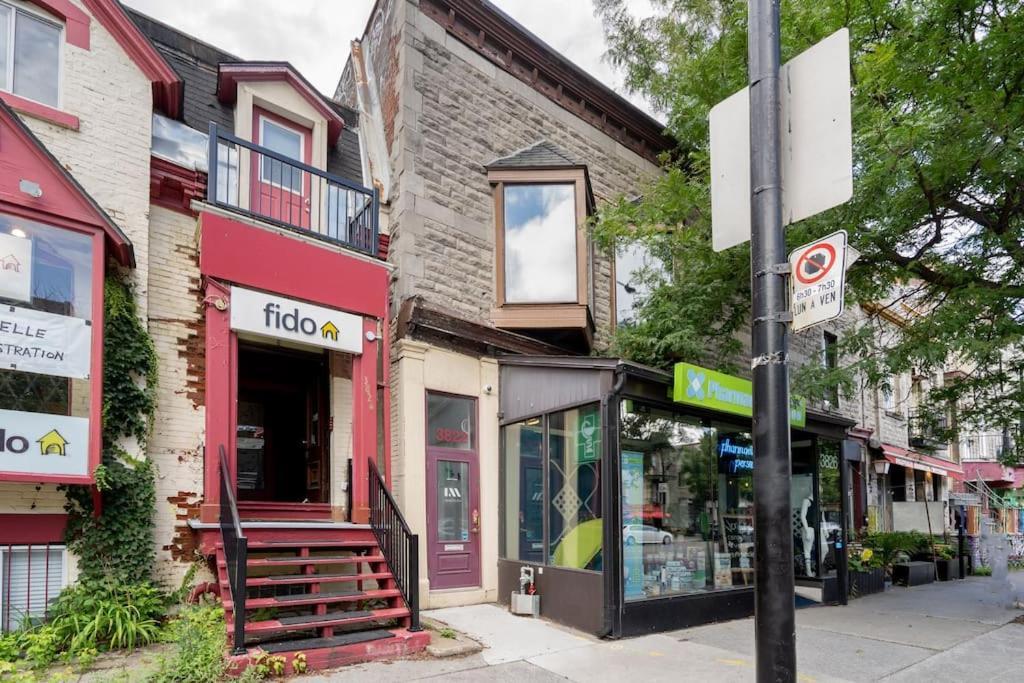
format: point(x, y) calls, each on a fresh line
point(235, 252)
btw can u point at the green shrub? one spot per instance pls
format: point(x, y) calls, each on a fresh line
point(107, 615)
point(983, 571)
point(888, 544)
point(200, 641)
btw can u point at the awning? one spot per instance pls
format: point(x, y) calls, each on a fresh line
point(919, 461)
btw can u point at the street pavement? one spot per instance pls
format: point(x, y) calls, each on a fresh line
point(953, 631)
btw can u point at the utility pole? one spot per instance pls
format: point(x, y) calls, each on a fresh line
point(774, 612)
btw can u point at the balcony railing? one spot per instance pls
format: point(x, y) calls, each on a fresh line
point(259, 183)
point(983, 447)
point(927, 432)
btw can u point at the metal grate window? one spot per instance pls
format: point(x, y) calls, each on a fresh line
point(31, 578)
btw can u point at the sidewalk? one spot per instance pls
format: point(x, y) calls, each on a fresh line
point(940, 632)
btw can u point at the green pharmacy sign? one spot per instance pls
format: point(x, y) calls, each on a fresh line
point(588, 436)
point(697, 386)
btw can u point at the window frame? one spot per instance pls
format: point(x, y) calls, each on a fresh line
point(46, 18)
point(561, 176)
point(301, 133)
point(830, 361)
point(6, 549)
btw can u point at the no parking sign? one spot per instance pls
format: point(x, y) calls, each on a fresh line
point(817, 280)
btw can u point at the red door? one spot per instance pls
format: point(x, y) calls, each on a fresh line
point(453, 492)
point(281, 191)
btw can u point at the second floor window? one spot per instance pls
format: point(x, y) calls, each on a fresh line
point(830, 358)
point(29, 55)
point(288, 143)
point(540, 244)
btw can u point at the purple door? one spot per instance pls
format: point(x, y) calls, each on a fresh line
point(453, 492)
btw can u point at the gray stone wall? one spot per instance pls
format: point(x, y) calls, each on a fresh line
point(457, 112)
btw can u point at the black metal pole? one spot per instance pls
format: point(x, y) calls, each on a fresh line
point(774, 612)
point(960, 531)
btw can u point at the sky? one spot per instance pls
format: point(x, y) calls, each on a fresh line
point(314, 35)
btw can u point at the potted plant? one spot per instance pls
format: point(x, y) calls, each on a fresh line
point(947, 565)
point(866, 573)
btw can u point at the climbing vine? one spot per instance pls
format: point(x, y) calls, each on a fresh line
point(118, 543)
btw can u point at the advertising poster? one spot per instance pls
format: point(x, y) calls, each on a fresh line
point(15, 267)
point(632, 511)
point(35, 443)
point(45, 343)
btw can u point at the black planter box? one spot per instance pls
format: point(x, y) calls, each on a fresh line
point(913, 573)
point(948, 569)
point(866, 583)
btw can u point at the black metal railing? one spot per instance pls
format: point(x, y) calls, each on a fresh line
point(400, 546)
point(927, 431)
point(260, 183)
point(236, 551)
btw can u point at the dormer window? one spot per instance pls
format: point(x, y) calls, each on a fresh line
point(287, 142)
point(29, 55)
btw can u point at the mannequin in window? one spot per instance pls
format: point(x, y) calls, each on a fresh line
point(807, 522)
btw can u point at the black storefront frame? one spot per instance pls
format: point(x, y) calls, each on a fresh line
point(619, 618)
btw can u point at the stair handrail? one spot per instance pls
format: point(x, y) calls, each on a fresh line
point(236, 551)
point(400, 546)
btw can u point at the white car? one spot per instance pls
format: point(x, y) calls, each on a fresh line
point(645, 533)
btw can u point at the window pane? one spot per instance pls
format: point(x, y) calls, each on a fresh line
point(286, 143)
point(452, 501)
point(32, 581)
point(830, 496)
point(451, 422)
point(5, 47)
point(574, 486)
point(540, 243)
point(36, 59)
point(523, 492)
point(687, 504)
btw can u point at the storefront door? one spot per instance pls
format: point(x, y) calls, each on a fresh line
point(281, 435)
point(453, 492)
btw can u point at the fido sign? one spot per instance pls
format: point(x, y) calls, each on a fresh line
point(817, 280)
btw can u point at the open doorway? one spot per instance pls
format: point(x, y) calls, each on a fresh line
point(282, 425)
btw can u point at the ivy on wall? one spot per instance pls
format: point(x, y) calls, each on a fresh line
point(118, 543)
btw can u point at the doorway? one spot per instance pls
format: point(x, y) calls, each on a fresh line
point(453, 492)
point(281, 438)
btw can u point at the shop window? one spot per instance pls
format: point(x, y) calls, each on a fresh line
point(47, 280)
point(29, 54)
point(830, 495)
point(687, 503)
point(553, 483)
point(31, 578)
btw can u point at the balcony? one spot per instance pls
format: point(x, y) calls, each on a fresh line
point(927, 432)
point(983, 447)
point(258, 183)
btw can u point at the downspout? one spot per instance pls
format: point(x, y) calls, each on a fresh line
point(612, 505)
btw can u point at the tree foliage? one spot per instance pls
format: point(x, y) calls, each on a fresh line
point(938, 206)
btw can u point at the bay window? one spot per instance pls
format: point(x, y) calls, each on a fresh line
point(30, 57)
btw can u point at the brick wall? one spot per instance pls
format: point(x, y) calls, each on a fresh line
point(176, 444)
point(109, 154)
point(457, 113)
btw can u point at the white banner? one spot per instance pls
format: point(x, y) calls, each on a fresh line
point(279, 318)
point(34, 341)
point(35, 443)
point(15, 267)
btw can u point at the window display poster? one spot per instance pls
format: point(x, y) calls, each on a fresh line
point(36, 443)
point(632, 511)
point(723, 569)
point(45, 343)
point(15, 267)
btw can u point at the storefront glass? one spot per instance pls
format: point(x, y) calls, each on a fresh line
point(687, 503)
point(46, 286)
point(553, 483)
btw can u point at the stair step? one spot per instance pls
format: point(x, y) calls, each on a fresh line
point(314, 559)
point(288, 579)
point(299, 543)
point(304, 644)
point(306, 622)
point(316, 598)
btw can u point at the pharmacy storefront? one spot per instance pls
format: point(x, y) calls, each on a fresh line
point(624, 482)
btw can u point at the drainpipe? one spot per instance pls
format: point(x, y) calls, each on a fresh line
point(612, 507)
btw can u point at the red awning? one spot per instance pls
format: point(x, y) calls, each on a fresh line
point(919, 461)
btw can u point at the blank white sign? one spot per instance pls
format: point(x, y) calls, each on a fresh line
point(817, 143)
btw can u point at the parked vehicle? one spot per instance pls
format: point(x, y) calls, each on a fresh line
point(645, 533)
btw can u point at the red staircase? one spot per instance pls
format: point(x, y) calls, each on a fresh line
point(327, 590)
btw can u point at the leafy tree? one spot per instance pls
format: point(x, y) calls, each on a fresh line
point(938, 206)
